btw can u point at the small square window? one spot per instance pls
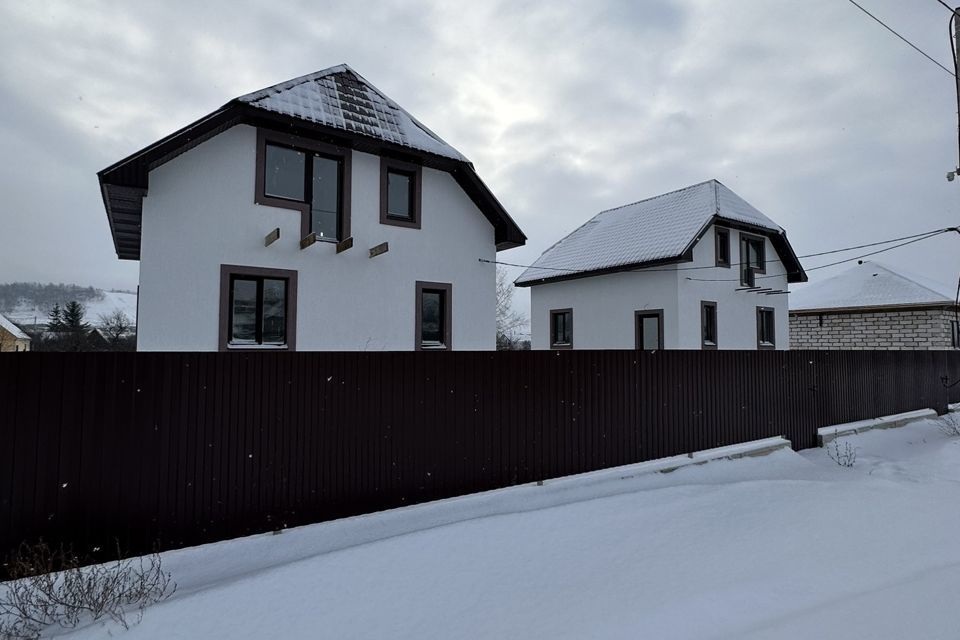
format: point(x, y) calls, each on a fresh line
point(561, 328)
point(399, 193)
point(766, 338)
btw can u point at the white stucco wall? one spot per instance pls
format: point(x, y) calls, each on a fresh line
point(604, 306)
point(736, 310)
point(200, 213)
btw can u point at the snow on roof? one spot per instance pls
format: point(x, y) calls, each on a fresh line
point(870, 284)
point(13, 329)
point(657, 228)
point(340, 97)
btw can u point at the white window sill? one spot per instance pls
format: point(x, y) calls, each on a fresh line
point(255, 347)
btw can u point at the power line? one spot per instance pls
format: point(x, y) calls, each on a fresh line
point(948, 7)
point(921, 236)
point(833, 264)
point(915, 47)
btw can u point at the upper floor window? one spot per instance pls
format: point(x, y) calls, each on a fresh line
point(434, 316)
point(561, 328)
point(955, 334)
point(400, 193)
point(257, 307)
point(307, 175)
point(766, 336)
point(722, 246)
point(752, 257)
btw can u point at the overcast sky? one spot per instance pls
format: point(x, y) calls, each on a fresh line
point(810, 111)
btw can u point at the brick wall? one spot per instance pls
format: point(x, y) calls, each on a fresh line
point(907, 329)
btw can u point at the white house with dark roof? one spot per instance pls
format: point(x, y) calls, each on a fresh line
point(696, 268)
point(872, 306)
point(316, 214)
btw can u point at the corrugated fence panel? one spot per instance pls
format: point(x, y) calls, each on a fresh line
point(162, 450)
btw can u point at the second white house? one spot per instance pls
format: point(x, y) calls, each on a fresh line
point(696, 268)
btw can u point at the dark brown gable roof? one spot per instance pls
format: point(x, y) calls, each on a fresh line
point(335, 105)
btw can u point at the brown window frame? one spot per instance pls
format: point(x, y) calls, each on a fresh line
point(704, 343)
point(307, 146)
point(772, 344)
point(227, 271)
point(553, 335)
point(415, 172)
point(744, 238)
point(447, 289)
point(723, 232)
point(638, 327)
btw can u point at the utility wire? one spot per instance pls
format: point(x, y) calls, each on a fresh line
point(948, 7)
point(921, 236)
point(915, 47)
point(833, 264)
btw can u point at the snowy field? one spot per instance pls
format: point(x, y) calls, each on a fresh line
point(111, 301)
point(785, 546)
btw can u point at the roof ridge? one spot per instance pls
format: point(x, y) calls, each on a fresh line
point(668, 193)
point(293, 82)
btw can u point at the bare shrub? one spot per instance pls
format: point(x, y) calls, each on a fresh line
point(845, 456)
point(49, 588)
point(950, 425)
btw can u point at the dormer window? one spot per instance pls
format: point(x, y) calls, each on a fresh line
point(309, 176)
point(399, 193)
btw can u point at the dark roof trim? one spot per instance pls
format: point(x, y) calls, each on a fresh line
point(685, 257)
point(124, 183)
point(795, 272)
point(880, 308)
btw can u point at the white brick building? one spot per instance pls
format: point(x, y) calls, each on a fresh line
point(873, 307)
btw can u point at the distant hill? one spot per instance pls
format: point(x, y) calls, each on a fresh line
point(29, 302)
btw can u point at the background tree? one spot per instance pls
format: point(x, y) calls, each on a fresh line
point(55, 319)
point(117, 330)
point(74, 330)
point(508, 320)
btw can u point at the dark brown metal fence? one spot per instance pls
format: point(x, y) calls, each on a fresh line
point(180, 449)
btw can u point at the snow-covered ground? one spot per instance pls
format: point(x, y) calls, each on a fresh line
point(785, 546)
point(125, 301)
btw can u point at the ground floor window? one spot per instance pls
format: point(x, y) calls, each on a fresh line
point(649, 329)
point(257, 308)
point(434, 316)
point(708, 325)
point(561, 328)
point(766, 337)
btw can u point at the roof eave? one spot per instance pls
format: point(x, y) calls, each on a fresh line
point(909, 306)
point(687, 256)
point(132, 171)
